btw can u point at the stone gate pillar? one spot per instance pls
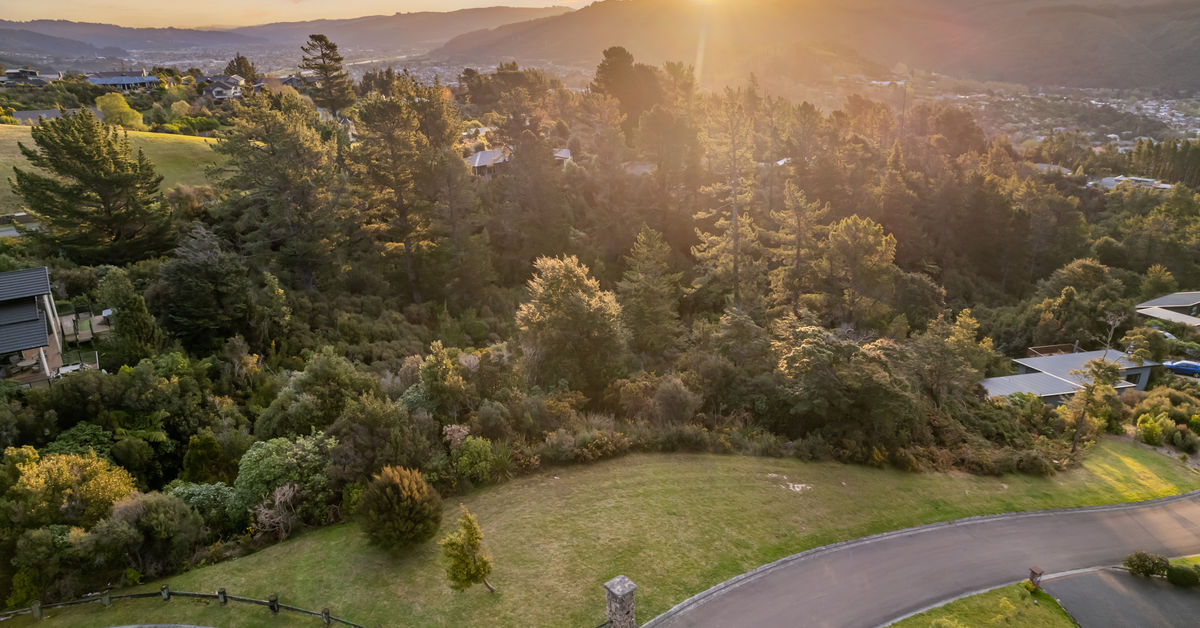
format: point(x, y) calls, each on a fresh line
point(620, 606)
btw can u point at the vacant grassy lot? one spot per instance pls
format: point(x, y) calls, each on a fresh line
point(179, 158)
point(675, 524)
point(1006, 606)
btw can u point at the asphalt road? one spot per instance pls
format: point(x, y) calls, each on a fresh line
point(1112, 598)
point(872, 581)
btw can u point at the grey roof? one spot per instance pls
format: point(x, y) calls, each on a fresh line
point(485, 158)
point(27, 282)
point(1179, 299)
point(1170, 315)
point(17, 311)
point(31, 116)
point(123, 80)
point(1040, 384)
point(1062, 365)
point(26, 335)
point(562, 153)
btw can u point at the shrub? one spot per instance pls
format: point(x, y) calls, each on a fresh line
point(154, 533)
point(400, 509)
point(1182, 576)
point(673, 403)
point(80, 439)
point(66, 488)
point(216, 504)
point(1146, 564)
point(1150, 428)
point(474, 459)
point(277, 514)
point(304, 462)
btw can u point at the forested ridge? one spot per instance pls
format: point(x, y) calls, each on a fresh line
point(724, 272)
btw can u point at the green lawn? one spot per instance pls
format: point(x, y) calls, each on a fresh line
point(179, 158)
point(675, 524)
point(1007, 606)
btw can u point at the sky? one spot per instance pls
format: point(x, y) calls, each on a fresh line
point(207, 13)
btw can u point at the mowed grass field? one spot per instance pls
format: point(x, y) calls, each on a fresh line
point(178, 158)
point(675, 524)
point(1007, 606)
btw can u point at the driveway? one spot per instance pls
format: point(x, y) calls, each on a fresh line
point(875, 580)
point(1112, 598)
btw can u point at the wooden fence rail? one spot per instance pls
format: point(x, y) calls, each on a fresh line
point(37, 608)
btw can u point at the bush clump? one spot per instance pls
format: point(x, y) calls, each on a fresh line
point(1146, 564)
point(399, 508)
point(1182, 576)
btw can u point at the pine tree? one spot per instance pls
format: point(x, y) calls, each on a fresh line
point(795, 246)
point(467, 562)
point(284, 190)
point(334, 90)
point(649, 297)
point(135, 333)
point(243, 67)
point(98, 202)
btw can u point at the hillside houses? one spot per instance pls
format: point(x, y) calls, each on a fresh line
point(1054, 378)
point(124, 81)
point(1181, 307)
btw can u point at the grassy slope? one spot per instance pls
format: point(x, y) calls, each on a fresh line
point(179, 158)
point(675, 524)
point(1011, 605)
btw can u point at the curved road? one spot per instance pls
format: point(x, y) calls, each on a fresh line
point(871, 581)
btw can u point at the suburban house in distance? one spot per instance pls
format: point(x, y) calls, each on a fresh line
point(1181, 307)
point(224, 87)
point(1050, 377)
point(485, 162)
point(124, 81)
point(30, 334)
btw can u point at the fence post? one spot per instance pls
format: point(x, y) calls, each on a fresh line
point(36, 607)
point(221, 596)
point(325, 616)
point(620, 606)
point(106, 599)
point(273, 603)
point(166, 593)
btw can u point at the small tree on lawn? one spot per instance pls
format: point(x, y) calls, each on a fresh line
point(400, 509)
point(467, 562)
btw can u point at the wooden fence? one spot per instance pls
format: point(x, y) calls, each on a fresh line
point(37, 608)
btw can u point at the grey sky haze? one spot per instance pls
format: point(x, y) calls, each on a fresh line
point(185, 14)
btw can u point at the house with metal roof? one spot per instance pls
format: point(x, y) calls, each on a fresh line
point(485, 162)
point(30, 335)
point(124, 81)
point(1180, 307)
point(1054, 377)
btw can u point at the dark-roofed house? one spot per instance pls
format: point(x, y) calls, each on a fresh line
point(125, 81)
point(1181, 307)
point(34, 116)
point(224, 87)
point(1051, 378)
point(30, 337)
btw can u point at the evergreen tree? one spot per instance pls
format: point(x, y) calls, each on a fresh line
point(243, 67)
point(334, 91)
point(202, 295)
point(284, 194)
point(467, 562)
point(649, 296)
point(795, 247)
point(135, 334)
point(570, 329)
point(405, 135)
point(98, 202)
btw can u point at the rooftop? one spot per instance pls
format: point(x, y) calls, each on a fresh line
point(1170, 315)
point(1040, 384)
point(1178, 299)
point(27, 282)
point(1062, 365)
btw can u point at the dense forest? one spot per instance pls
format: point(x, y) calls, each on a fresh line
point(724, 272)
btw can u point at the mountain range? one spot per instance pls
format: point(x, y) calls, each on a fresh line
point(402, 31)
point(1086, 43)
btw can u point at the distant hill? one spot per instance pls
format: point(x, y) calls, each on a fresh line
point(402, 30)
point(107, 35)
point(1109, 43)
point(19, 41)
